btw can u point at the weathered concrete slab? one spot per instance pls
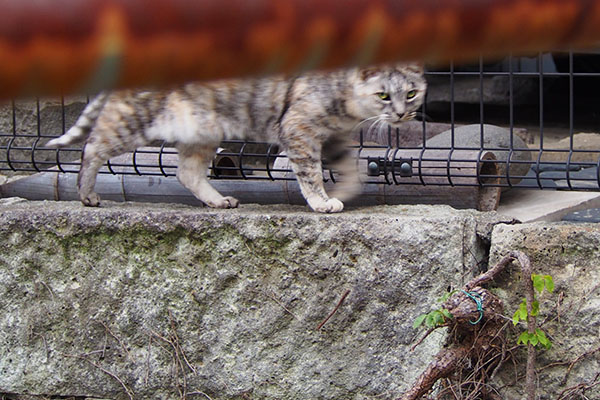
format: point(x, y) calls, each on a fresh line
point(164, 300)
point(570, 317)
point(529, 205)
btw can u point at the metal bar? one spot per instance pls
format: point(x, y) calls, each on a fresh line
point(571, 117)
point(449, 160)
point(63, 46)
point(511, 112)
point(541, 100)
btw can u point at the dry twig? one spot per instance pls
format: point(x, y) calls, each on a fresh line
point(272, 297)
point(429, 332)
point(180, 359)
point(339, 304)
point(129, 392)
point(117, 339)
point(579, 389)
point(200, 393)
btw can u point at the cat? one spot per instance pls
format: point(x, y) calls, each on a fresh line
point(300, 113)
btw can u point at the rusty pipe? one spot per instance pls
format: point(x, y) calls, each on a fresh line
point(52, 47)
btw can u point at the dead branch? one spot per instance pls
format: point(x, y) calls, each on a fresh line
point(445, 363)
point(476, 342)
point(469, 343)
point(491, 273)
point(429, 332)
point(177, 363)
point(334, 310)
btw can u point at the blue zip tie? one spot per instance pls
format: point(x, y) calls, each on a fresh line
point(476, 297)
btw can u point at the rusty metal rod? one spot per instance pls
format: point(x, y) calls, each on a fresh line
point(52, 47)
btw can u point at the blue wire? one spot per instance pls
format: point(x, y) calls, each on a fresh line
point(476, 297)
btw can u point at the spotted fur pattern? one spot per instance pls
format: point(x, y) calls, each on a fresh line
point(300, 114)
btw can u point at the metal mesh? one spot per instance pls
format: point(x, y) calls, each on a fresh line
point(540, 101)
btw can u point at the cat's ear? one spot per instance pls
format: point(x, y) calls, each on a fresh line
point(368, 72)
point(416, 67)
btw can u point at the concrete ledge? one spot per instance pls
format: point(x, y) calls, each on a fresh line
point(161, 300)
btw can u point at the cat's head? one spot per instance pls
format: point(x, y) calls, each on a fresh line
point(391, 92)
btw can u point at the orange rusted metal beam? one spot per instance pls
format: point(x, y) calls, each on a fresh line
point(65, 46)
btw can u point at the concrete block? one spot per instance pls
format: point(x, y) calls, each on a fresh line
point(164, 301)
point(570, 316)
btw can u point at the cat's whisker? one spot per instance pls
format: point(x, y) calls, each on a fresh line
point(373, 127)
point(377, 129)
point(382, 130)
point(409, 116)
point(370, 128)
point(364, 121)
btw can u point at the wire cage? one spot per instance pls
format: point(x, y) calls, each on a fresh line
point(512, 123)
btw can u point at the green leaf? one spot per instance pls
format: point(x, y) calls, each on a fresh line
point(549, 283)
point(535, 308)
point(544, 341)
point(533, 339)
point(419, 321)
point(516, 318)
point(523, 310)
point(439, 318)
point(446, 313)
point(548, 346)
point(538, 282)
point(523, 338)
point(429, 320)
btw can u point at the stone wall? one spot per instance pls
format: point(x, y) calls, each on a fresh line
point(163, 302)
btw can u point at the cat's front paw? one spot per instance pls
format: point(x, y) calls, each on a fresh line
point(331, 205)
point(91, 200)
point(224, 202)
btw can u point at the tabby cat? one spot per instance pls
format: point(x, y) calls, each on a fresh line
point(299, 113)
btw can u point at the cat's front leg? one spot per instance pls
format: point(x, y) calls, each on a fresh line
point(305, 159)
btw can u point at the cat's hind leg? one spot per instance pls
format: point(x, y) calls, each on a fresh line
point(348, 184)
point(86, 180)
point(343, 161)
point(191, 172)
point(95, 153)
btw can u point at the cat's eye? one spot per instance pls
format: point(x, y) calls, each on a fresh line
point(411, 94)
point(384, 96)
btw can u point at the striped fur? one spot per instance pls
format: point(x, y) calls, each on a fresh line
point(300, 114)
point(82, 128)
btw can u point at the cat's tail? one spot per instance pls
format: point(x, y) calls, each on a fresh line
point(82, 128)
